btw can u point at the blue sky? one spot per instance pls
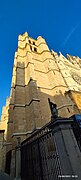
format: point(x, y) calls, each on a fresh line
point(58, 21)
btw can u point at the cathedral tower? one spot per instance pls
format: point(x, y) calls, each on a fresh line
point(39, 74)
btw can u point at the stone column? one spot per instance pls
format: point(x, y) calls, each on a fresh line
point(18, 163)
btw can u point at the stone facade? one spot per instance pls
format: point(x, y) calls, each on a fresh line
point(1, 148)
point(3, 136)
point(39, 74)
point(4, 117)
point(76, 98)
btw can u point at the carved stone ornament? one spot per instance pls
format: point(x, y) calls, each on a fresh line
point(76, 77)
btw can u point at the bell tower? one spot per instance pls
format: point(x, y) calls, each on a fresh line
point(38, 74)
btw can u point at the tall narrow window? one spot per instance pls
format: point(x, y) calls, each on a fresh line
point(35, 49)
point(33, 43)
point(29, 41)
point(68, 110)
point(31, 48)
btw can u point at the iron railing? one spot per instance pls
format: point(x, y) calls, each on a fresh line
point(39, 157)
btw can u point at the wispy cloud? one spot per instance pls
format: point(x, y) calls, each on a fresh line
point(70, 34)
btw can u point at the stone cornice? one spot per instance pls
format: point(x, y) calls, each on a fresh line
point(47, 71)
point(31, 43)
point(44, 60)
point(24, 105)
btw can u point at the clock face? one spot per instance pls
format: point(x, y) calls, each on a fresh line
point(76, 77)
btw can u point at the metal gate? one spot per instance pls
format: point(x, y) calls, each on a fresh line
point(39, 157)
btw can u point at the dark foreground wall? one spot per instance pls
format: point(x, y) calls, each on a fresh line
point(50, 153)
